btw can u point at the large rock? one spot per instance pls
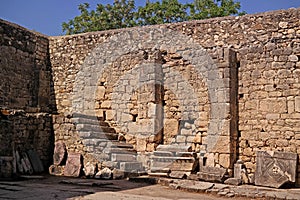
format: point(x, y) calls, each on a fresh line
point(60, 153)
point(73, 165)
point(274, 169)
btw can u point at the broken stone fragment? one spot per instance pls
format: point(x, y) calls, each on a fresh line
point(105, 173)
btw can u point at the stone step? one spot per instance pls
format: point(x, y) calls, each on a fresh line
point(92, 127)
point(122, 151)
point(131, 166)
point(172, 159)
point(115, 157)
point(174, 148)
point(94, 121)
point(121, 145)
point(83, 116)
point(98, 135)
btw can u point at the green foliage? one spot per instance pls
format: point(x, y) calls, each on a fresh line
point(203, 9)
point(167, 11)
point(123, 13)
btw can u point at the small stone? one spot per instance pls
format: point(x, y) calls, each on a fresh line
point(233, 181)
point(222, 193)
point(105, 173)
point(283, 24)
point(229, 195)
point(293, 58)
point(118, 174)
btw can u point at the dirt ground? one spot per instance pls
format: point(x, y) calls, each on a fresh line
point(58, 188)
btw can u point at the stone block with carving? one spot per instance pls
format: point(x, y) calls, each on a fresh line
point(274, 169)
point(73, 165)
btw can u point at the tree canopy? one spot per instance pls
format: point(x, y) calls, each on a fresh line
point(124, 13)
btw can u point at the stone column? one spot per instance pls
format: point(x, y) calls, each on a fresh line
point(150, 109)
point(222, 142)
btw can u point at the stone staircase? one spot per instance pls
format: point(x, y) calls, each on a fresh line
point(176, 161)
point(102, 141)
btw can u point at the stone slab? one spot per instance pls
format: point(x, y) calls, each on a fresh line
point(274, 169)
point(73, 165)
point(35, 161)
point(60, 152)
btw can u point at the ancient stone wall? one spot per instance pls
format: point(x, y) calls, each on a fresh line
point(264, 50)
point(26, 95)
point(226, 86)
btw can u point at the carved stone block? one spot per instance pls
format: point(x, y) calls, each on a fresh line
point(274, 169)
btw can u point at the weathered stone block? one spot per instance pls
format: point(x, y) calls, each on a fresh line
point(212, 174)
point(297, 104)
point(274, 169)
point(60, 153)
point(73, 165)
point(183, 164)
point(171, 127)
point(224, 160)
